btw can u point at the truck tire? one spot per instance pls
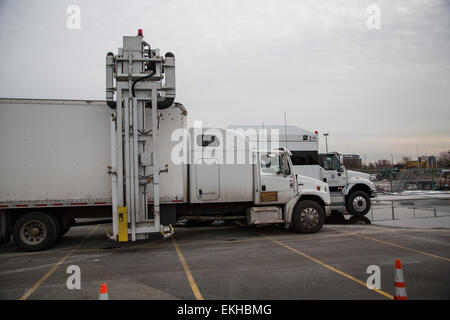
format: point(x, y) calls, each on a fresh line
point(358, 203)
point(57, 228)
point(308, 217)
point(34, 231)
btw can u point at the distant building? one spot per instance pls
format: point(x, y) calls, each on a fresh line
point(352, 161)
point(431, 161)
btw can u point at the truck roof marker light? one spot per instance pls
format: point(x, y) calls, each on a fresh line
point(140, 33)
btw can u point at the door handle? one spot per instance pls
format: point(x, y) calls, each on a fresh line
point(263, 187)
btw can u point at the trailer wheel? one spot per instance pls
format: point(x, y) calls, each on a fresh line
point(34, 231)
point(308, 217)
point(58, 228)
point(358, 203)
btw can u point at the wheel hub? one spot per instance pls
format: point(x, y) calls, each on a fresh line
point(309, 217)
point(33, 232)
point(359, 203)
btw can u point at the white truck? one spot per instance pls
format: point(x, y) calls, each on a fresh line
point(350, 190)
point(68, 159)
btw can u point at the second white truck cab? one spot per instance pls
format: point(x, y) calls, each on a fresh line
point(350, 190)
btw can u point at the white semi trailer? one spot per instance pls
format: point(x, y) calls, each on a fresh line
point(132, 155)
point(350, 190)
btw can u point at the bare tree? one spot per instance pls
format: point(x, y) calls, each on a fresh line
point(382, 163)
point(405, 159)
point(443, 159)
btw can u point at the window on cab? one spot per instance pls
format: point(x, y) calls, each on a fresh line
point(270, 164)
point(275, 164)
point(207, 140)
point(302, 158)
point(329, 161)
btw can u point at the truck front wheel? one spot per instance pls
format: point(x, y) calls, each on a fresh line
point(308, 217)
point(34, 231)
point(358, 203)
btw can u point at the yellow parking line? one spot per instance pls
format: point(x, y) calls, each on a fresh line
point(400, 246)
point(387, 295)
point(189, 276)
point(53, 269)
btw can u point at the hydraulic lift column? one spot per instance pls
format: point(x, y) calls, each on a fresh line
point(134, 82)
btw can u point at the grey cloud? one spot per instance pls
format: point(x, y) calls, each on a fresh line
point(251, 60)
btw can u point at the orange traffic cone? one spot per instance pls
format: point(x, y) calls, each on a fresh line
point(399, 282)
point(103, 294)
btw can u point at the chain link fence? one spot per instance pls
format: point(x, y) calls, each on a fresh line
point(393, 180)
point(409, 209)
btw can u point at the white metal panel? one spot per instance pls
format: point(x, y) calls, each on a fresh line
point(235, 168)
point(173, 183)
point(207, 181)
point(295, 138)
point(236, 182)
point(54, 149)
point(313, 171)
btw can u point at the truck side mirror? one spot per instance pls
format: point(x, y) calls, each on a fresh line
point(341, 169)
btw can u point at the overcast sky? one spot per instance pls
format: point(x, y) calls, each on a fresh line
point(376, 91)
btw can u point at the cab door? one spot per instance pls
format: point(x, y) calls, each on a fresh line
point(276, 184)
point(334, 174)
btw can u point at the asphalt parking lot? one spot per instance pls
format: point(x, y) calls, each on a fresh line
point(234, 261)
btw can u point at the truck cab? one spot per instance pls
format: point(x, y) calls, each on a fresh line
point(350, 189)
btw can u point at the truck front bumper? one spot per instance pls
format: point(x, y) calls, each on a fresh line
point(327, 210)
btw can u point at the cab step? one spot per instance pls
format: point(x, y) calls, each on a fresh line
point(264, 215)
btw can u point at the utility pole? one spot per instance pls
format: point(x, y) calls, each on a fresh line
point(285, 130)
point(326, 141)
